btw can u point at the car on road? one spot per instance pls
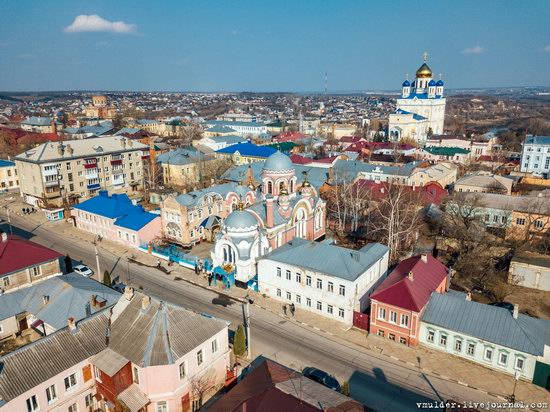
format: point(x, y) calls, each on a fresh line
point(119, 287)
point(321, 377)
point(83, 270)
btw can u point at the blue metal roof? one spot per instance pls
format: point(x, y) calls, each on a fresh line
point(332, 260)
point(181, 156)
point(221, 129)
point(112, 207)
point(537, 140)
point(37, 121)
point(6, 163)
point(68, 296)
point(489, 323)
point(230, 123)
point(248, 149)
point(414, 115)
point(136, 220)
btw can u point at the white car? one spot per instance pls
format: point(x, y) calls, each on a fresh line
point(83, 270)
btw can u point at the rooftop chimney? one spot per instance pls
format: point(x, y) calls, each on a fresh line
point(129, 293)
point(4, 237)
point(145, 302)
point(424, 257)
point(410, 276)
point(515, 313)
point(71, 323)
point(45, 299)
point(93, 300)
point(469, 296)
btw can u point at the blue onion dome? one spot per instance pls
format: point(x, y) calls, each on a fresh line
point(439, 83)
point(406, 83)
point(431, 83)
point(240, 219)
point(278, 162)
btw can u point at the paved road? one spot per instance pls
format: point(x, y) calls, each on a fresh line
point(377, 381)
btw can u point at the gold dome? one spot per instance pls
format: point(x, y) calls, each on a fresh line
point(424, 72)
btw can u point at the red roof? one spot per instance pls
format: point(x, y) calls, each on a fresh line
point(19, 136)
point(288, 137)
point(300, 160)
point(17, 253)
point(411, 294)
point(351, 139)
point(432, 192)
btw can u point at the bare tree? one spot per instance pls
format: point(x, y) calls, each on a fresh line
point(201, 385)
point(187, 134)
point(396, 219)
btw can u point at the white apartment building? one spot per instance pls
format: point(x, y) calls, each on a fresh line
point(326, 279)
point(535, 156)
point(54, 173)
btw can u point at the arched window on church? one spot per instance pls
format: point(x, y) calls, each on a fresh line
point(270, 187)
point(318, 219)
point(281, 186)
point(300, 223)
point(228, 254)
point(292, 186)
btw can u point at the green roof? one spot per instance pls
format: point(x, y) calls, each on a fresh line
point(283, 146)
point(446, 151)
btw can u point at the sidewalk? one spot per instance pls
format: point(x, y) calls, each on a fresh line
point(439, 363)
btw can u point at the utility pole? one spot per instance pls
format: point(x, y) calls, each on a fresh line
point(9, 220)
point(248, 341)
point(97, 262)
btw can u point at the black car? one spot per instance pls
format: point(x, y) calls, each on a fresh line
point(321, 377)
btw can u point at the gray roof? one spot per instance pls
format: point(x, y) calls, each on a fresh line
point(160, 334)
point(39, 361)
point(349, 169)
point(68, 296)
point(533, 204)
point(230, 139)
point(196, 196)
point(182, 156)
point(485, 180)
point(109, 361)
point(531, 258)
point(93, 147)
point(489, 323)
point(37, 121)
point(315, 394)
point(133, 398)
point(332, 260)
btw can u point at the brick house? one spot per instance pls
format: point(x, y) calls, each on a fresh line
point(398, 303)
point(23, 262)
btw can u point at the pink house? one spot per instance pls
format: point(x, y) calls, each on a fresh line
point(116, 218)
point(102, 363)
point(398, 303)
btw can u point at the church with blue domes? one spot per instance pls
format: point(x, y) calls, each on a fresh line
point(420, 110)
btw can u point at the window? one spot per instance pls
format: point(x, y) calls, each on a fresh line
point(97, 374)
point(51, 394)
point(342, 290)
point(520, 362)
point(330, 287)
point(430, 337)
point(6, 281)
point(443, 340)
point(32, 404)
point(214, 346)
point(471, 349)
point(279, 293)
point(288, 275)
point(329, 309)
point(162, 406)
point(36, 271)
point(458, 345)
point(308, 302)
point(278, 272)
point(319, 284)
point(405, 320)
point(70, 382)
point(393, 316)
point(288, 295)
point(183, 370)
point(199, 357)
point(73, 408)
point(135, 375)
point(520, 221)
point(380, 333)
point(319, 305)
point(298, 277)
point(503, 359)
point(89, 400)
point(403, 341)
point(308, 280)
point(391, 336)
point(341, 312)
point(539, 224)
point(488, 356)
point(298, 299)
point(382, 313)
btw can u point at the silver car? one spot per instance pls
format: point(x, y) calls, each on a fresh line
point(83, 270)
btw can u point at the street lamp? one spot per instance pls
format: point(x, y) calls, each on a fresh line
point(512, 397)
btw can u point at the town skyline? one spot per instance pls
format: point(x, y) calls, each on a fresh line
point(211, 47)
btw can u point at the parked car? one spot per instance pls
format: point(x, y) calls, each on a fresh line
point(322, 377)
point(119, 287)
point(83, 270)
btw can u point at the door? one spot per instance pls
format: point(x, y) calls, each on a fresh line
point(23, 324)
point(185, 403)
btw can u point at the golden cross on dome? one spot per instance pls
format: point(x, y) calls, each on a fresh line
point(406, 76)
point(425, 56)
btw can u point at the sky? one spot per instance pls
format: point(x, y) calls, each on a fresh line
point(270, 45)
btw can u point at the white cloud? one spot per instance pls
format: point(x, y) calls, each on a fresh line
point(545, 49)
point(95, 23)
point(473, 50)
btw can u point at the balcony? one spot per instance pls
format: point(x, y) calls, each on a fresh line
point(52, 194)
point(50, 172)
point(93, 186)
point(90, 165)
point(117, 179)
point(116, 162)
point(51, 183)
point(92, 174)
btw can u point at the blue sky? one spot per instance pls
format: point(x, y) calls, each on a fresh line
point(264, 45)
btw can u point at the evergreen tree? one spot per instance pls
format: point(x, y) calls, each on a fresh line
point(107, 278)
point(239, 343)
point(344, 390)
